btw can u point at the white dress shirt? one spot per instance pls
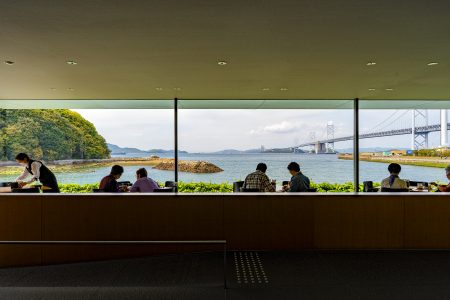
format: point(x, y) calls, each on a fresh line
point(397, 184)
point(35, 167)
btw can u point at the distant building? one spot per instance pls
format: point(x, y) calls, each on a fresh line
point(369, 154)
point(398, 152)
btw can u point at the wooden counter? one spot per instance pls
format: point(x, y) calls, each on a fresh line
point(246, 221)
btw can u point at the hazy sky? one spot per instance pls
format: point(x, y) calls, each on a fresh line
point(213, 130)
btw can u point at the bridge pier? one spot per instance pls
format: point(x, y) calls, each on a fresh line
point(320, 148)
point(444, 131)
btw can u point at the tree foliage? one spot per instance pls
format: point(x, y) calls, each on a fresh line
point(49, 134)
point(432, 152)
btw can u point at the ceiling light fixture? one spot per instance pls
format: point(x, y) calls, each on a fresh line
point(71, 62)
point(283, 89)
point(266, 89)
point(222, 63)
point(71, 89)
point(372, 90)
point(52, 89)
point(371, 63)
point(177, 89)
point(432, 63)
point(389, 89)
point(159, 89)
point(8, 62)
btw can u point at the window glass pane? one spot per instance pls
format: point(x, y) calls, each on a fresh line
point(386, 136)
point(80, 140)
point(237, 135)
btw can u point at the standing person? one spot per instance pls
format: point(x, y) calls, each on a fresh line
point(444, 188)
point(394, 181)
point(143, 183)
point(38, 171)
point(299, 182)
point(109, 183)
point(259, 180)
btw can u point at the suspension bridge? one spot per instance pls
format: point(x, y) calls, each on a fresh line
point(393, 125)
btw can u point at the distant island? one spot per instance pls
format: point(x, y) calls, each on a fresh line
point(116, 150)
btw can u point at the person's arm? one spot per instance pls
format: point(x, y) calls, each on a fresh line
point(294, 186)
point(36, 169)
point(404, 185)
point(115, 186)
point(267, 185)
point(135, 188)
point(154, 184)
point(23, 176)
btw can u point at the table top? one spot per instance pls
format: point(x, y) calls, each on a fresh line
point(416, 190)
point(7, 189)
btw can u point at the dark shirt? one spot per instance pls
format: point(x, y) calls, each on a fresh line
point(109, 184)
point(299, 183)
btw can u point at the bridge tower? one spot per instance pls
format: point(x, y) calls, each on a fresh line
point(330, 136)
point(419, 140)
point(444, 132)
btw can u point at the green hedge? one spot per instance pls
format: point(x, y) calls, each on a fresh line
point(204, 187)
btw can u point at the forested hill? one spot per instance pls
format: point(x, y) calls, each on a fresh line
point(49, 134)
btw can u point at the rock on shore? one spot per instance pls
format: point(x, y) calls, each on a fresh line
point(190, 166)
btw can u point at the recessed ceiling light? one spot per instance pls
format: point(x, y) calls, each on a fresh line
point(432, 63)
point(177, 89)
point(52, 89)
point(371, 63)
point(71, 89)
point(71, 62)
point(159, 89)
point(283, 89)
point(8, 62)
point(389, 89)
point(266, 89)
point(372, 90)
point(222, 63)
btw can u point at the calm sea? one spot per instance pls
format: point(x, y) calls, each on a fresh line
point(320, 168)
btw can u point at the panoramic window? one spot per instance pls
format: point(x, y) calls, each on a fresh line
point(79, 142)
point(403, 146)
point(221, 142)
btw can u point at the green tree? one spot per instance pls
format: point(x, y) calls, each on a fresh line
point(49, 134)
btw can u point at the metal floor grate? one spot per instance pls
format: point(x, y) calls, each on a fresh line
point(249, 268)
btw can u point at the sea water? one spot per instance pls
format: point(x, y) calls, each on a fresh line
point(319, 168)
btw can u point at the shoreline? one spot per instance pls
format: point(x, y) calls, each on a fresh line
point(86, 165)
point(419, 161)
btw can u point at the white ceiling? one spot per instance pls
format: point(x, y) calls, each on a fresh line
point(315, 49)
